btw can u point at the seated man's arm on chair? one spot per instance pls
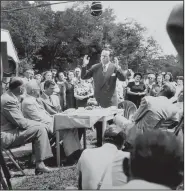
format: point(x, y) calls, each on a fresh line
point(141, 111)
point(13, 114)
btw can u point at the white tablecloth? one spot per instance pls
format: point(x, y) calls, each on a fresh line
point(82, 118)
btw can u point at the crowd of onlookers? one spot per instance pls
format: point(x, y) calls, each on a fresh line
point(144, 151)
point(70, 89)
point(73, 92)
point(137, 86)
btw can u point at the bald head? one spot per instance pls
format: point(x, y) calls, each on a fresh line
point(33, 88)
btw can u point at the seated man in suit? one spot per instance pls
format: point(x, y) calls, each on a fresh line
point(33, 109)
point(50, 101)
point(151, 111)
point(108, 158)
point(17, 130)
point(156, 162)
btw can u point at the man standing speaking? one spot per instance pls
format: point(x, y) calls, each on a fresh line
point(104, 75)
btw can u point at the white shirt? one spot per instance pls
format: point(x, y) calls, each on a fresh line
point(93, 162)
point(106, 66)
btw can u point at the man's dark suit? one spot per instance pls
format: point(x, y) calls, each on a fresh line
point(104, 83)
point(104, 88)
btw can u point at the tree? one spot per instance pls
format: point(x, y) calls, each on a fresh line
point(46, 39)
point(26, 28)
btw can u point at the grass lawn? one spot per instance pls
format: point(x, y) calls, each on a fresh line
point(60, 178)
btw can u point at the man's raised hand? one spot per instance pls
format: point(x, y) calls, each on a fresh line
point(116, 63)
point(86, 60)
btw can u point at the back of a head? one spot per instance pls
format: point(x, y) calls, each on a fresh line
point(114, 135)
point(157, 157)
point(175, 28)
point(31, 85)
point(15, 82)
point(168, 90)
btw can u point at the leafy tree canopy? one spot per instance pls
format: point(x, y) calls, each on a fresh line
point(46, 39)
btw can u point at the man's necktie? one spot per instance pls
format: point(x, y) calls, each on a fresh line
point(104, 68)
point(50, 100)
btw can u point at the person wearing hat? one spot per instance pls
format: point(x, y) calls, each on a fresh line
point(103, 164)
point(136, 90)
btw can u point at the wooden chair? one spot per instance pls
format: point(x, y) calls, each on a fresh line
point(129, 108)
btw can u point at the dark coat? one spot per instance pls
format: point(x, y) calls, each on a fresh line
point(104, 84)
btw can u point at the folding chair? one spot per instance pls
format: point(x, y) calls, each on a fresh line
point(4, 173)
point(13, 159)
point(170, 126)
point(129, 108)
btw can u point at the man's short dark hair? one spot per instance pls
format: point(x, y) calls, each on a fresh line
point(114, 135)
point(48, 83)
point(15, 83)
point(157, 157)
point(168, 90)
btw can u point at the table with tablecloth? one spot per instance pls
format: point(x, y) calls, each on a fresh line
point(82, 118)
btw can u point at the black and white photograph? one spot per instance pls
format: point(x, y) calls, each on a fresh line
point(92, 95)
